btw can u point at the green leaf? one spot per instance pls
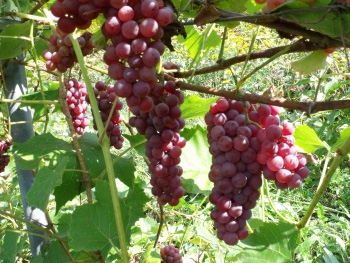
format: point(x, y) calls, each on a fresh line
point(195, 106)
point(93, 226)
point(138, 142)
point(333, 23)
point(311, 63)
point(151, 255)
point(196, 161)
point(124, 168)
point(344, 135)
point(197, 43)
point(307, 139)
point(56, 253)
point(45, 181)
point(63, 222)
point(268, 243)
point(71, 184)
point(328, 257)
point(9, 247)
point(14, 40)
point(45, 145)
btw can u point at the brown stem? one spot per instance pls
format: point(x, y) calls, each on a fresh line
point(65, 111)
point(308, 107)
point(53, 230)
point(161, 223)
point(268, 53)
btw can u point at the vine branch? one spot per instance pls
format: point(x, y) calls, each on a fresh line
point(308, 107)
point(305, 46)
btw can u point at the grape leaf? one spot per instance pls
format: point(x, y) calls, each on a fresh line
point(45, 145)
point(45, 181)
point(196, 161)
point(71, 184)
point(14, 40)
point(195, 106)
point(268, 243)
point(307, 139)
point(311, 63)
point(93, 226)
point(151, 255)
point(56, 253)
point(9, 247)
point(138, 142)
point(344, 135)
point(94, 160)
point(197, 43)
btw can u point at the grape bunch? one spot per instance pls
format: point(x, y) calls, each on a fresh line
point(282, 162)
point(246, 140)
point(60, 54)
point(76, 95)
point(161, 127)
point(106, 97)
point(4, 159)
point(234, 171)
point(135, 31)
point(75, 14)
point(170, 254)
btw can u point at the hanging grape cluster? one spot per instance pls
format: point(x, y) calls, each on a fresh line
point(245, 140)
point(4, 158)
point(170, 254)
point(60, 54)
point(76, 99)
point(106, 98)
point(133, 30)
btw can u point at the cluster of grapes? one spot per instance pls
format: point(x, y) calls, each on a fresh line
point(161, 127)
point(60, 54)
point(4, 159)
point(135, 31)
point(280, 157)
point(237, 145)
point(170, 254)
point(76, 95)
point(106, 97)
point(74, 14)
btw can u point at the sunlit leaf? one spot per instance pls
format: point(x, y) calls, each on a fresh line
point(307, 139)
point(196, 161)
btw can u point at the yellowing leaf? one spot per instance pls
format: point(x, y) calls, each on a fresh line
point(311, 63)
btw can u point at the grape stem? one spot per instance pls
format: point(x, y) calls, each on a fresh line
point(105, 145)
point(53, 102)
point(52, 228)
point(161, 223)
point(101, 176)
point(341, 153)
